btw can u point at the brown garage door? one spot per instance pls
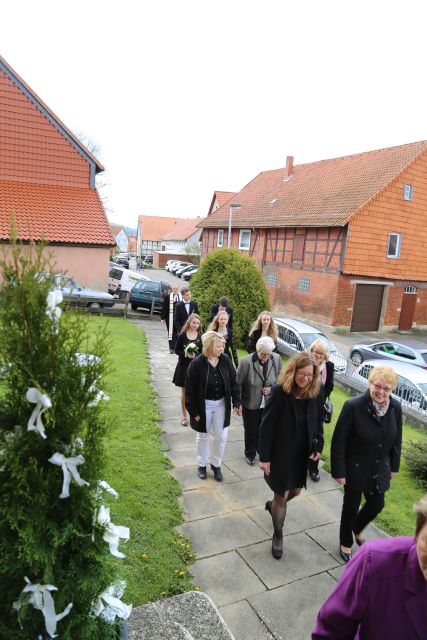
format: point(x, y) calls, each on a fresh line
point(367, 307)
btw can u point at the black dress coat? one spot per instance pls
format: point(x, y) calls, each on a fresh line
point(278, 436)
point(329, 383)
point(196, 380)
point(253, 339)
point(365, 449)
point(183, 362)
point(229, 310)
point(181, 315)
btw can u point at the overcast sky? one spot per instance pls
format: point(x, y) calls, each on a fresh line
point(186, 97)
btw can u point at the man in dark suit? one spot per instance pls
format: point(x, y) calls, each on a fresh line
point(223, 305)
point(167, 315)
point(183, 309)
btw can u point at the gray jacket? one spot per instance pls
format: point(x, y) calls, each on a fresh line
point(251, 379)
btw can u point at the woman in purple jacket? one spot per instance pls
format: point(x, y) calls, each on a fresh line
point(382, 592)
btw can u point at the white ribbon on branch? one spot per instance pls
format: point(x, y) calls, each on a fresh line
point(54, 298)
point(41, 599)
point(109, 606)
point(69, 468)
point(112, 533)
point(42, 402)
point(106, 486)
point(100, 395)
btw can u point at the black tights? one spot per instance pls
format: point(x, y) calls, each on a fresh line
point(278, 509)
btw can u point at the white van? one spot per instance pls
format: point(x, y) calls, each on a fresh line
point(121, 280)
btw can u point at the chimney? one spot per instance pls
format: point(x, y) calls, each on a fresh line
point(289, 170)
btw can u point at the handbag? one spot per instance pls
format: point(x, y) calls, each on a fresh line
point(328, 410)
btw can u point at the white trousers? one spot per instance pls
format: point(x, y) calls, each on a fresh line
point(215, 415)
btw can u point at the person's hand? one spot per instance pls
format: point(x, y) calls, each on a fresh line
point(197, 418)
point(162, 321)
point(315, 457)
point(265, 466)
point(340, 481)
point(237, 411)
point(265, 390)
point(393, 474)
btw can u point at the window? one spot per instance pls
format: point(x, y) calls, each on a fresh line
point(220, 238)
point(394, 242)
point(407, 192)
point(272, 279)
point(245, 239)
point(410, 289)
point(304, 285)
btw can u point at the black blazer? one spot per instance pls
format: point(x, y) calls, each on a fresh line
point(229, 310)
point(196, 380)
point(253, 339)
point(329, 383)
point(181, 315)
point(365, 449)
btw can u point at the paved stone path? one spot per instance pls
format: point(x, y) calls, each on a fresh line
point(259, 597)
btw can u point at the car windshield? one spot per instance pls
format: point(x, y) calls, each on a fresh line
point(143, 285)
point(309, 338)
point(423, 386)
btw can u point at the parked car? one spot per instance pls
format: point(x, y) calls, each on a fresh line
point(78, 295)
point(409, 351)
point(178, 265)
point(295, 335)
point(144, 292)
point(169, 263)
point(411, 387)
point(121, 280)
point(179, 272)
point(122, 260)
point(187, 275)
point(148, 260)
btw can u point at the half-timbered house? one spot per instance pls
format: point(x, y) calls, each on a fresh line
point(342, 241)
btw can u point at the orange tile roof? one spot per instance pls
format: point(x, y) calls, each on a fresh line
point(221, 197)
point(115, 229)
point(320, 194)
point(58, 214)
point(182, 229)
point(155, 227)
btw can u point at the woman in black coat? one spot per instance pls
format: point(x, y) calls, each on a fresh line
point(188, 346)
point(365, 454)
point(264, 326)
point(210, 388)
point(291, 433)
point(321, 352)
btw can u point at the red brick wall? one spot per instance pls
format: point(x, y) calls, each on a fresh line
point(386, 213)
point(342, 312)
point(32, 149)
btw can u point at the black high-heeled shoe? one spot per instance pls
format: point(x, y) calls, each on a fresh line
point(277, 546)
point(268, 506)
point(346, 556)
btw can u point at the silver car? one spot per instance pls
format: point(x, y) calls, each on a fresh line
point(409, 351)
point(411, 388)
point(78, 295)
point(295, 336)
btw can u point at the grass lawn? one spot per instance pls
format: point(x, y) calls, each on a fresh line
point(157, 558)
point(397, 518)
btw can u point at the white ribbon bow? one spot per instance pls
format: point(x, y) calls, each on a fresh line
point(42, 402)
point(41, 599)
point(100, 395)
point(54, 298)
point(68, 469)
point(109, 606)
point(112, 533)
point(108, 489)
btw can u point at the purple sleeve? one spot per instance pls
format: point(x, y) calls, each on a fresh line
point(343, 611)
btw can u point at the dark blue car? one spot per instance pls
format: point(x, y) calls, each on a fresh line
point(144, 292)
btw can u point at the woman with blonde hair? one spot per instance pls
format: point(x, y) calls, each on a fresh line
point(365, 454)
point(291, 433)
point(321, 352)
point(188, 346)
point(264, 326)
point(220, 325)
point(210, 389)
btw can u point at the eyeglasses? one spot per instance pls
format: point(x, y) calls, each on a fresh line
point(378, 387)
point(308, 376)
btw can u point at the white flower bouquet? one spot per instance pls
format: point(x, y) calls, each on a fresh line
point(191, 349)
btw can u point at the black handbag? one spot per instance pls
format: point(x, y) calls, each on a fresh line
point(328, 411)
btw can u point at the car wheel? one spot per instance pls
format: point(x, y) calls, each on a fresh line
point(134, 307)
point(356, 358)
point(94, 305)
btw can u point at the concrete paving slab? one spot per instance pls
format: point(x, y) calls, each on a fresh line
point(233, 450)
point(302, 557)
point(183, 439)
point(222, 533)
point(226, 578)
point(202, 503)
point(188, 479)
point(167, 390)
point(235, 432)
point(242, 469)
point(171, 426)
point(330, 501)
point(244, 623)
point(290, 612)
point(170, 410)
point(337, 573)
point(185, 457)
point(326, 483)
point(327, 537)
point(247, 493)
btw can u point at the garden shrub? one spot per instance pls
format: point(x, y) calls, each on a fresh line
point(228, 272)
point(415, 454)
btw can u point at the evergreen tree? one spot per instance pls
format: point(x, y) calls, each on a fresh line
point(230, 273)
point(50, 412)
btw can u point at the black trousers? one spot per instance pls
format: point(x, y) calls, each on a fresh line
point(353, 520)
point(313, 466)
point(251, 423)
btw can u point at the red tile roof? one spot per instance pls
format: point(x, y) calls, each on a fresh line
point(183, 229)
point(58, 214)
point(320, 194)
point(155, 227)
point(221, 197)
point(115, 229)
